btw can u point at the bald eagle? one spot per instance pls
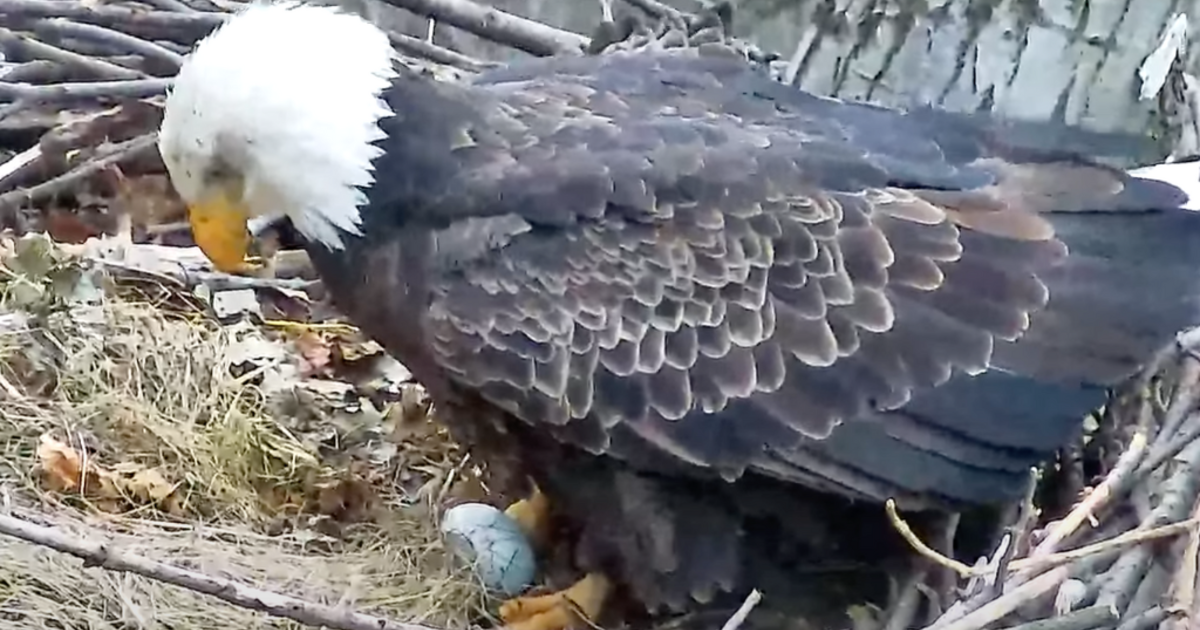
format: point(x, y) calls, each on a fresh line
point(680, 297)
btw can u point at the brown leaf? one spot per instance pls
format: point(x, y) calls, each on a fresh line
point(61, 466)
point(66, 226)
point(315, 353)
point(109, 490)
point(149, 486)
point(350, 499)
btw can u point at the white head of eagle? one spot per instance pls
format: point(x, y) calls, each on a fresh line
point(276, 113)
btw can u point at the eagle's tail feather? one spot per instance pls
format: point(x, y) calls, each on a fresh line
point(1130, 283)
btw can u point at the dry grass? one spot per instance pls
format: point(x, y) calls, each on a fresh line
point(127, 383)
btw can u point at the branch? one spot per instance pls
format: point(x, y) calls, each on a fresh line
point(739, 616)
point(32, 48)
point(505, 28)
point(656, 9)
point(433, 52)
point(171, 5)
point(122, 42)
point(1084, 619)
point(137, 88)
point(12, 200)
point(1112, 486)
point(95, 554)
point(184, 27)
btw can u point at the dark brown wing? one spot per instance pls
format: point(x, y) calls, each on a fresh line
point(674, 256)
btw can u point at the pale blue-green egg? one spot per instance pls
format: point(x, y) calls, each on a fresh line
point(493, 543)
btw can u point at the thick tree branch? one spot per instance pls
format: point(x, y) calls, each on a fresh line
point(183, 27)
point(138, 88)
point(118, 41)
point(34, 49)
point(95, 554)
point(505, 28)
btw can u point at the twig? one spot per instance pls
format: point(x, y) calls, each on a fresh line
point(95, 554)
point(185, 27)
point(656, 9)
point(921, 548)
point(1085, 619)
point(1109, 488)
point(739, 616)
point(1184, 400)
point(37, 71)
point(1127, 539)
point(439, 54)
point(19, 163)
point(170, 5)
point(1183, 586)
point(505, 28)
point(125, 150)
point(139, 88)
point(99, 68)
point(1005, 604)
point(1169, 449)
point(122, 42)
point(1151, 618)
point(1035, 562)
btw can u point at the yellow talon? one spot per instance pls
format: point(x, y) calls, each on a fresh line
point(583, 601)
point(533, 515)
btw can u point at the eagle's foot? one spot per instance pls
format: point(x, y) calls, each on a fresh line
point(532, 514)
point(583, 601)
point(250, 266)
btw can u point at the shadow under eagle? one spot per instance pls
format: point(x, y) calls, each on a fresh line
point(719, 320)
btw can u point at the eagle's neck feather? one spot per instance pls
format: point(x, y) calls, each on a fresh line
point(290, 97)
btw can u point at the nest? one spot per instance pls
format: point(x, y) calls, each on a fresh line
point(235, 427)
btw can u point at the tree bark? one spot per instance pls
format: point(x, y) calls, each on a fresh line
point(1069, 61)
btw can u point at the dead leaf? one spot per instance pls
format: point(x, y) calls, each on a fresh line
point(66, 226)
point(114, 490)
point(61, 466)
point(149, 486)
point(315, 354)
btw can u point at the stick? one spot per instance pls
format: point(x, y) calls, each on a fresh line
point(99, 68)
point(1083, 619)
point(1045, 560)
point(656, 9)
point(9, 201)
point(170, 5)
point(19, 163)
point(95, 554)
point(1110, 487)
point(739, 616)
point(187, 27)
point(505, 28)
point(1005, 604)
point(919, 545)
point(1127, 539)
point(120, 41)
point(1182, 593)
point(433, 52)
point(139, 88)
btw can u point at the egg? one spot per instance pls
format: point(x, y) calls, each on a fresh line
point(493, 543)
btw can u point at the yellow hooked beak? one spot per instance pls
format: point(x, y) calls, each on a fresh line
point(219, 228)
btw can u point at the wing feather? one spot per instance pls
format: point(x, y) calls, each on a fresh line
point(729, 283)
